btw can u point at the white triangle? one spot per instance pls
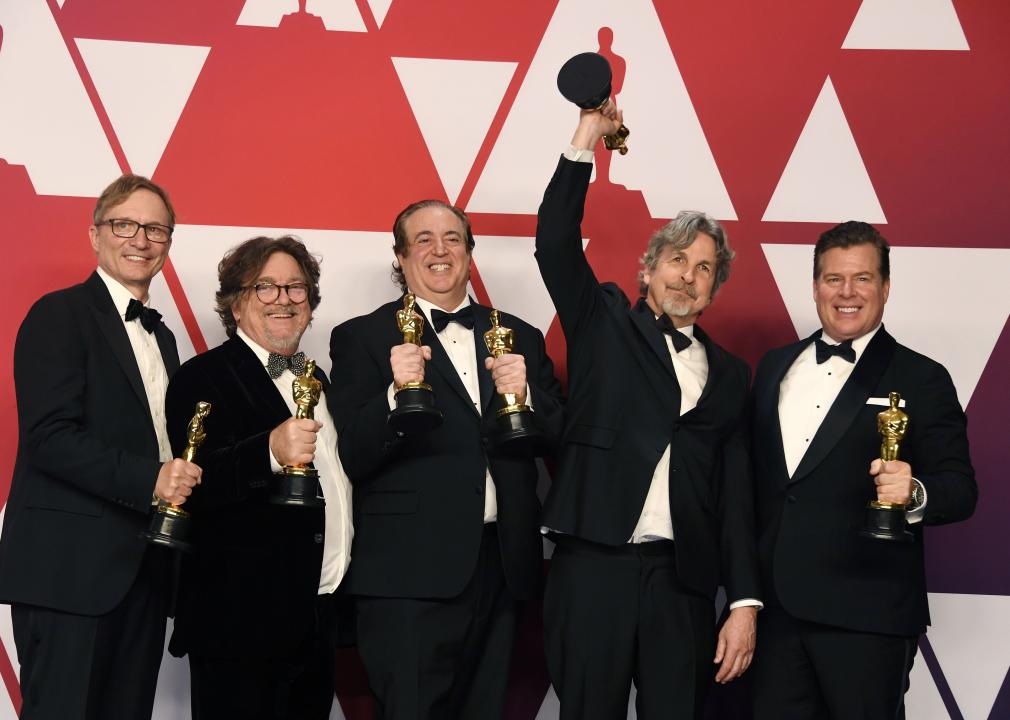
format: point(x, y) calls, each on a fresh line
point(172, 696)
point(923, 700)
point(669, 158)
point(337, 712)
point(355, 276)
point(825, 179)
point(48, 123)
point(906, 25)
point(975, 320)
point(968, 635)
point(379, 10)
point(551, 707)
point(512, 279)
point(145, 124)
point(453, 131)
point(335, 14)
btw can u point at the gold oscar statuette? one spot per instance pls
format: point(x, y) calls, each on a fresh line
point(886, 520)
point(415, 410)
point(170, 525)
point(516, 430)
point(298, 485)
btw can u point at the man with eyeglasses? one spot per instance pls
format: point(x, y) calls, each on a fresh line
point(447, 541)
point(259, 598)
point(88, 596)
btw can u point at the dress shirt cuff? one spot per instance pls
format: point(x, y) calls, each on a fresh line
point(576, 155)
point(747, 602)
point(274, 465)
point(390, 396)
point(529, 397)
point(914, 515)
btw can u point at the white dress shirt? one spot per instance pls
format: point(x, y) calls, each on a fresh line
point(808, 391)
point(691, 366)
point(459, 345)
point(149, 361)
point(339, 528)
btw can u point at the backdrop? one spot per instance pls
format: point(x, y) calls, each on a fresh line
point(779, 118)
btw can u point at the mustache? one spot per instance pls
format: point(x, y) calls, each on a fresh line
point(684, 288)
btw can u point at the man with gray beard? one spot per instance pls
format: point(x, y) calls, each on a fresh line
point(652, 503)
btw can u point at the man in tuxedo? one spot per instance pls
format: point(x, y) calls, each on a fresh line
point(91, 363)
point(257, 614)
point(844, 612)
point(447, 539)
point(651, 508)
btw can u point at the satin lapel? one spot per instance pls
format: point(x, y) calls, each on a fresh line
point(716, 363)
point(110, 322)
point(250, 375)
point(645, 324)
point(481, 324)
point(443, 365)
point(167, 346)
point(766, 405)
point(851, 399)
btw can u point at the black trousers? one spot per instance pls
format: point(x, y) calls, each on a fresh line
point(442, 659)
point(807, 671)
point(297, 686)
point(613, 615)
point(96, 668)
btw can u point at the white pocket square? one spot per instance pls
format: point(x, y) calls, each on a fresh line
point(884, 402)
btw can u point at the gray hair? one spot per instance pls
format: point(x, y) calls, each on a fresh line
point(680, 233)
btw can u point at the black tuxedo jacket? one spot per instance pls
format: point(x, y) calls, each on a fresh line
point(87, 458)
point(419, 501)
point(624, 409)
point(813, 563)
point(249, 589)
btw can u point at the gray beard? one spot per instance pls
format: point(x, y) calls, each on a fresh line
point(675, 309)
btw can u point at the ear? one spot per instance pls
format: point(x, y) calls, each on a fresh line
point(815, 290)
point(887, 289)
point(93, 234)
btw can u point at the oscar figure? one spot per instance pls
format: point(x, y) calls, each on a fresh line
point(585, 80)
point(298, 485)
point(516, 430)
point(170, 524)
point(415, 402)
point(886, 520)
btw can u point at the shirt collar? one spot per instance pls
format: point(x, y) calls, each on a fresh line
point(121, 296)
point(261, 353)
point(427, 307)
point(858, 344)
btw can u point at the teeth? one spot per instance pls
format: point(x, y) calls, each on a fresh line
point(135, 257)
point(848, 310)
point(439, 267)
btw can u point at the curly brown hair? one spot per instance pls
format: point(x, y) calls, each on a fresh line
point(241, 265)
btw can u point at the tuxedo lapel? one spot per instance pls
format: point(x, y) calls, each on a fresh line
point(167, 346)
point(766, 406)
point(851, 399)
point(255, 383)
point(481, 325)
point(110, 322)
point(644, 323)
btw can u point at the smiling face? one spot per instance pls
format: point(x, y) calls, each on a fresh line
point(132, 262)
point(276, 326)
point(849, 291)
point(436, 261)
point(681, 283)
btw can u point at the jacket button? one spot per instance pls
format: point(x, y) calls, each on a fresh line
point(791, 498)
point(318, 537)
point(479, 489)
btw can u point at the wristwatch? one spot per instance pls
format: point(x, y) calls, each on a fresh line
point(918, 498)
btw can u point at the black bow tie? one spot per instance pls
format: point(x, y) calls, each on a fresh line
point(149, 317)
point(680, 340)
point(464, 316)
point(277, 364)
point(844, 351)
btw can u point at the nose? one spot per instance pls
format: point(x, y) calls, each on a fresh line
point(688, 275)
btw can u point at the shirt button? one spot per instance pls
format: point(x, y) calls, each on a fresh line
point(791, 498)
point(318, 537)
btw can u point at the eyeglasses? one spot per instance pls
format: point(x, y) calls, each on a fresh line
point(268, 292)
point(124, 228)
